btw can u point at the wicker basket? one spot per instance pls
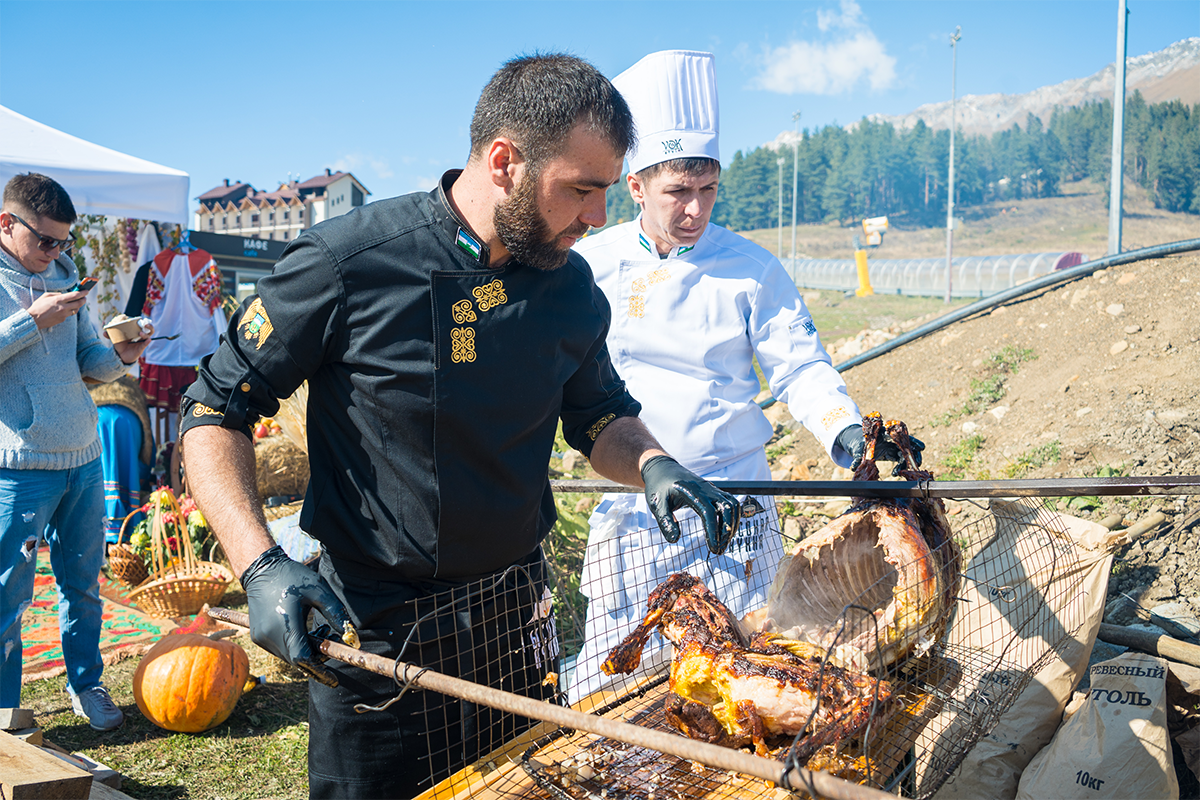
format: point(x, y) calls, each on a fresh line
point(183, 592)
point(180, 584)
point(126, 566)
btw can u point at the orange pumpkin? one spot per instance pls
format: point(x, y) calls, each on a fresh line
point(189, 682)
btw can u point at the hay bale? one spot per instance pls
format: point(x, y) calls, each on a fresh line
point(292, 416)
point(281, 468)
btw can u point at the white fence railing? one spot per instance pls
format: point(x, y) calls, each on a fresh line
point(974, 276)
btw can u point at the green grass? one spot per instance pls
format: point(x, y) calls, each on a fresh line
point(960, 457)
point(983, 393)
point(260, 751)
point(1008, 359)
point(1033, 458)
point(990, 388)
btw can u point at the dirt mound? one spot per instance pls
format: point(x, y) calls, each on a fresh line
point(1095, 377)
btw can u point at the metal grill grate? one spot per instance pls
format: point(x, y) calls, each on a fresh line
point(497, 632)
point(1018, 607)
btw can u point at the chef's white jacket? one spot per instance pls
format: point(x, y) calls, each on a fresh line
point(685, 330)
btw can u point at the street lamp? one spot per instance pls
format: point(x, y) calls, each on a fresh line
point(780, 161)
point(954, 37)
point(795, 181)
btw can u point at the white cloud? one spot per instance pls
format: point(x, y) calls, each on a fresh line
point(353, 161)
point(849, 17)
point(423, 183)
point(835, 65)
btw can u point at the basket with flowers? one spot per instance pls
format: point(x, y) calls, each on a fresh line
point(178, 581)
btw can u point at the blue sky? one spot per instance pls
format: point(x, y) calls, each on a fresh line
point(256, 90)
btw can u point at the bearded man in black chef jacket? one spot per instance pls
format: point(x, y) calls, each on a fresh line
point(443, 336)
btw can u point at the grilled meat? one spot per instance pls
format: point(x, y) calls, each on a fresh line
point(735, 690)
point(882, 578)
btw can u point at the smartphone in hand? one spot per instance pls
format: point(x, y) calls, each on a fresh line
point(84, 285)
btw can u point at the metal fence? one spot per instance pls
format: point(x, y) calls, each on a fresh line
point(974, 276)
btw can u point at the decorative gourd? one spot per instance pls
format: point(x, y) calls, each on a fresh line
point(190, 683)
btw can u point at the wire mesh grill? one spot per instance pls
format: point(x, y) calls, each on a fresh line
point(498, 632)
point(1017, 607)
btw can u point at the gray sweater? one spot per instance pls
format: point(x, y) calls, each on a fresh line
point(47, 417)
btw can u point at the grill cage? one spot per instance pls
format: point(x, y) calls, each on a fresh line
point(1017, 609)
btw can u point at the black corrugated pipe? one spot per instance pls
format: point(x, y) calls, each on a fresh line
point(1062, 276)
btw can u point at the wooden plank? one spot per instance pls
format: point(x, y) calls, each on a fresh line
point(12, 719)
point(102, 792)
point(28, 772)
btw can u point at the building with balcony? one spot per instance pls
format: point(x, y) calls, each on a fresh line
point(238, 209)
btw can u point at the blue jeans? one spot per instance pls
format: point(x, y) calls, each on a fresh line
point(66, 508)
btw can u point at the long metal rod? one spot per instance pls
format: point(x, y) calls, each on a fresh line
point(954, 37)
point(795, 182)
point(1116, 184)
point(709, 754)
point(1057, 487)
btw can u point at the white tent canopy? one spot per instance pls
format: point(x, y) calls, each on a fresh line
point(99, 180)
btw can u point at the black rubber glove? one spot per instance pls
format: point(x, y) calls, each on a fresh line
point(279, 592)
point(851, 440)
point(670, 487)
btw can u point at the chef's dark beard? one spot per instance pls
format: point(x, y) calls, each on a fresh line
point(525, 234)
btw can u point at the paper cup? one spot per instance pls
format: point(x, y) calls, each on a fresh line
point(123, 330)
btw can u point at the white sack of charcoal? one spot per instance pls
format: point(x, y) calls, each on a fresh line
point(736, 689)
point(878, 583)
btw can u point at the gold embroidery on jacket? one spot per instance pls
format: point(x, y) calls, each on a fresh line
point(600, 425)
point(659, 275)
point(462, 344)
point(256, 324)
point(834, 415)
point(462, 312)
point(639, 285)
point(490, 295)
point(637, 306)
point(201, 410)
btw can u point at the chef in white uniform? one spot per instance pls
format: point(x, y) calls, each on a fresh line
point(692, 305)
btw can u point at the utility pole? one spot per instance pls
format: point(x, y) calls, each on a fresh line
point(954, 37)
point(795, 181)
point(1116, 187)
point(780, 161)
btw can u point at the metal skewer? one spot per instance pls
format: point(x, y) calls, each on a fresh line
point(709, 754)
point(1058, 487)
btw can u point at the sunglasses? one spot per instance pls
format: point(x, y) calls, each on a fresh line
point(45, 243)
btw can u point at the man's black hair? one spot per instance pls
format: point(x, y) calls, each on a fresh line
point(40, 196)
point(538, 100)
point(692, 167)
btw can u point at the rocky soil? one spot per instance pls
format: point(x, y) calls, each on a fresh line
point(1100, 376)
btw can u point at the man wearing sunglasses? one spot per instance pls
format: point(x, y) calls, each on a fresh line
point(51, 483)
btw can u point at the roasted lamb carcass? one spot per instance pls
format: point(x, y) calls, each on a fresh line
point(732, 689)
point(881, 579)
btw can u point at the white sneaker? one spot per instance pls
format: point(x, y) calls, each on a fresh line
point(97, 707)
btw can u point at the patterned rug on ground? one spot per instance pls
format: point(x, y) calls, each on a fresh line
point(125, 630)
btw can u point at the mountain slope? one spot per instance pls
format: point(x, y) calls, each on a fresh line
point(1169, 74)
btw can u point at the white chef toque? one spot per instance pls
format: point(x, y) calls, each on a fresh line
point(673, 97)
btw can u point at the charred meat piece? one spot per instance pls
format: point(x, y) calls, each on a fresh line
point(882, 578)
point(728, 690)
point(685, 609)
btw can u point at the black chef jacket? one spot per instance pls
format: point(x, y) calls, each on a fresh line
point(435, 386)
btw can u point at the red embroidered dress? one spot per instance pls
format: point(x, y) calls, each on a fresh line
point(183, 297)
